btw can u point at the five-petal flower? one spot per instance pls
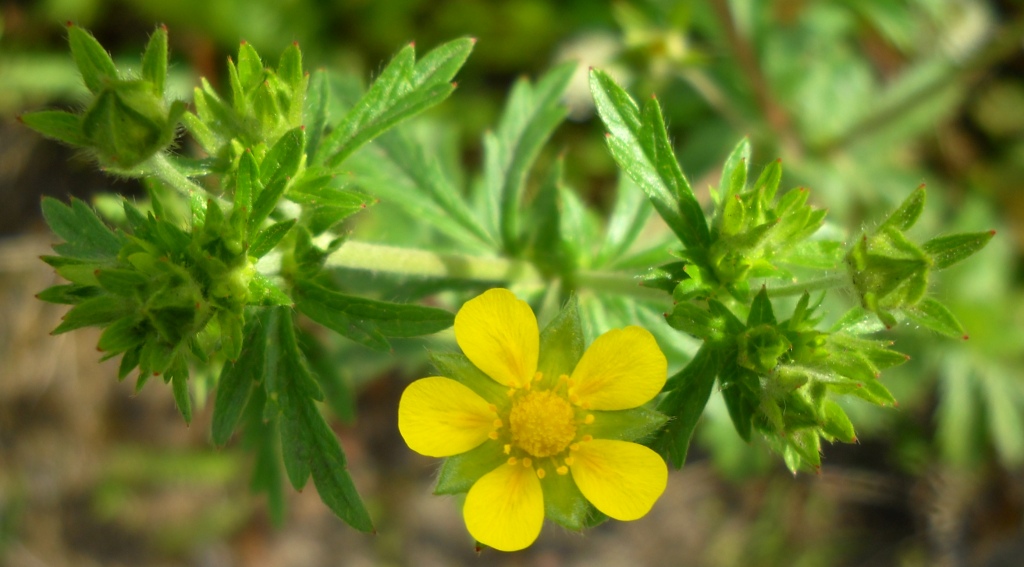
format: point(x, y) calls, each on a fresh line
point(540, 423)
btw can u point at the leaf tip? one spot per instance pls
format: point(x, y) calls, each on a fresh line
point(69, 24)
point(991, 232)
point(966, 336)
point(162, 26)
point(472, 40)
point(243, 42)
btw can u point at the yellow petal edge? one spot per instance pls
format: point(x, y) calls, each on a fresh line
point(505, 508)
point(439, 417)
point(619, 478)
point(622, 369)
point(498, 333)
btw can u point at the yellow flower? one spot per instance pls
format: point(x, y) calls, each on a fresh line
point(554, 435)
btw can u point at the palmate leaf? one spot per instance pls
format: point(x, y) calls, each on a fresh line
point(685, 403)
point(85, 235)
point(639, 143)
point(404, 89)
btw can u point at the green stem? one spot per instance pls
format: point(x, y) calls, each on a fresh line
point(840, 279)
point(161, 167)
point(426, 264)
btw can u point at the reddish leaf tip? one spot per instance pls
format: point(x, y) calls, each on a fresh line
point(412, 43)
point(919, 187)
point(69, 24)
point(992, 232)
point(472, 40)
point(455, 84)
point(243, 42)
point(295, 43)
point(163, 26)
point(965, 337)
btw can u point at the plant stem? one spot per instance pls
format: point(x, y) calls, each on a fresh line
point(840, 279)
point(426, 264)
point(161, 167)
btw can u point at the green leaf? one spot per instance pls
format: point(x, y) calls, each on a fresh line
point(236, 382)
point(70, 294)
point(317, 100)
point(694, 320)
point(263, 438)
point(95, 311)
point(250, 67)
point(933, 315)
point(289, 67)
point(58, 125)
point(639, 144)
point(836, 422)
point(737, 398)
point(323, 204)
point(179, 384)
point(907, 213)
point(949, 250)
point(94, 63)
point(247, 182)
point(402, 90)
point(284, 158)
point(309, 447)
point(628, 217)
point(333, 379)
point(268, 238)
point(84, 233)
point(154, 60)
point(368, 321)
point(685, 403)
point(122, 282)
point(122, 335)
point(531, 115)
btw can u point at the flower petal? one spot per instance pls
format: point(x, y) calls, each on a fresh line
point(619, 478)
point(622, 369)
point(439, 417)
point(505, 508)
point(498, 333)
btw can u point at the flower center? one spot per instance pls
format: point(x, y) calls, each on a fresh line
point(542, 423)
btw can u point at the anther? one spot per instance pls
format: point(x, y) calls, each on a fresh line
point(537, 377)
point(587, 438)
point(498, 424)
point(508, 449)
point(527, 462)
point(569, 461)
point(492, 407)
point(493, 435)
point(541, 473)
point(563, 378)
point(562, 470)
point(589, 419)
point(512, 460)
point(574, 447)
point(511, 392)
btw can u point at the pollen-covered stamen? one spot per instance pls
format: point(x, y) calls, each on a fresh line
point(542, 423)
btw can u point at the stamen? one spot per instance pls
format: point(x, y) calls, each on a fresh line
point(541, 473)
point(537, 377)
point(562, 470)
point(492, 407)
point(574, 447)
point(511, 392)
point(569, 461)
point(508, 449)
point(498, 424)
point(587, 438)
point(589, 419)
point(493, 435)
point(527, 462)
point(512, 460)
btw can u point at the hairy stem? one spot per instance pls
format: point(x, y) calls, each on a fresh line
point(832, 281)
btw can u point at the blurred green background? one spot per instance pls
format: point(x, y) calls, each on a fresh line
point(863, 100)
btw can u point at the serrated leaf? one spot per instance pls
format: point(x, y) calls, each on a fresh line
point(685, 403)
point(120, 336)
point(94, 63)
point(264, 292)
point(84, 233)
point(324, 204)
point(946, 251)
point(309, 447)
point(640, 146)
point(283, 159)
point(236, 382)
point(734, 172)
point(58, 125)
point(907, 213)
point(154, 60)
point(368, 321)
point(628, 217)
point(933, 315)
point(761, 312)
point(269, 237)
point(401, 91)
point(333, 379)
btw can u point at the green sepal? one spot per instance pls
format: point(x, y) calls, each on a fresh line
point(734, 173)
point(692, 319)
point(95, 311)
point(836, 423)
point(249, 66)
point(684, 404)
point(634, 424)
point(69, 294)
point(94, 63)
point(154, 60)
point(458, 367)
point(368, 321)
point(906, 215)
point(564, 504)
point(459, 472)
point(269, 237)
point(121, 282)
point(933, 315)
point(121, 335)
point(236, 382)
point(561, 344)
point(58, 125)
point(264, 292)
point(761, 312)
point(946, 251)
